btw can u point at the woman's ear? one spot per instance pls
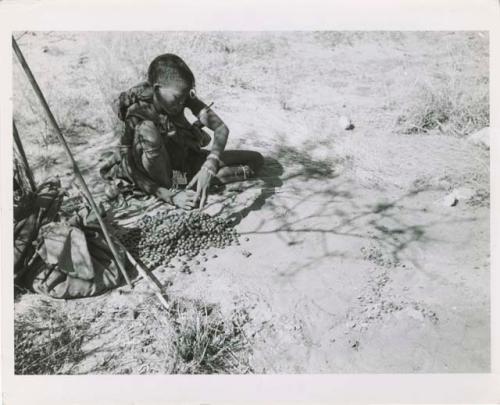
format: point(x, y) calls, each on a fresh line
point(156, 88)
point(192, 93)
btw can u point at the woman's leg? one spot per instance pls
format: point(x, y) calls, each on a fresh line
point(153, 154)
point(238, 165)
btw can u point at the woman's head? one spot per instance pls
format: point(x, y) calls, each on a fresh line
point(172, 80)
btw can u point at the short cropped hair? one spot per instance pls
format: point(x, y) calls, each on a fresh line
point(170, 68)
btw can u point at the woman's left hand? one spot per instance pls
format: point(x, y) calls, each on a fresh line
point(202, 181)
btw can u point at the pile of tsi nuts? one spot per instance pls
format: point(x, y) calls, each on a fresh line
point(183, 236)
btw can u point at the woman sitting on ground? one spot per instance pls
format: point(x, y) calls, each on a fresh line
point(160, 148)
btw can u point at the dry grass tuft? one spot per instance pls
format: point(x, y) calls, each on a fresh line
point(47, 341)
point(448, 107)
point(206, 343)
point(53, 337)
point(454, 98)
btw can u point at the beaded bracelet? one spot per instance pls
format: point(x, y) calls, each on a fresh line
point(215, 166)
point(245, 175)
point(214, 156)
point(211, 172)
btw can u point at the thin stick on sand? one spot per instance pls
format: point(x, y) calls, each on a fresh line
point(78, 174)
point(149, 277)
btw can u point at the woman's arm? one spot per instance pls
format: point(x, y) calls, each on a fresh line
point(221, 132)
point(126, 145)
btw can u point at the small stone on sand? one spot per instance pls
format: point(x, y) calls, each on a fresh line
point(345, 123)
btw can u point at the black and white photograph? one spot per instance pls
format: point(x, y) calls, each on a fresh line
point(258, 202)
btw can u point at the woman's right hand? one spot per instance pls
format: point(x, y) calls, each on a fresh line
point(185, 199)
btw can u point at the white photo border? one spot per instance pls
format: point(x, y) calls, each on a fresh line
point(280, 15)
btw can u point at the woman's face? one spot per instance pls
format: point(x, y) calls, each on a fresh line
point(172, 97)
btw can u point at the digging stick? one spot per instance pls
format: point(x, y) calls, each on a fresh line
point(76, 170)
point(149, 277)
point(20, 149)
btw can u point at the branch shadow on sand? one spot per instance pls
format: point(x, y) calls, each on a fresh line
point(313, 198)
point(280, 168)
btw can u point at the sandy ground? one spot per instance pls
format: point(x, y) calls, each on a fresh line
point(357, 263)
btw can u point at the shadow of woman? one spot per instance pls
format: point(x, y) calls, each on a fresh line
point(268, 179)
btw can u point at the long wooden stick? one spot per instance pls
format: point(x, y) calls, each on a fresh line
point(149, 277)
point(78, 174)
point(20, 149)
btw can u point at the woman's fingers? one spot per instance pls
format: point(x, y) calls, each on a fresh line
point(193, 180)
point(198, 190)
point(203, 198)
point(201, 189)
point(189, 204)
point(191, 199)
